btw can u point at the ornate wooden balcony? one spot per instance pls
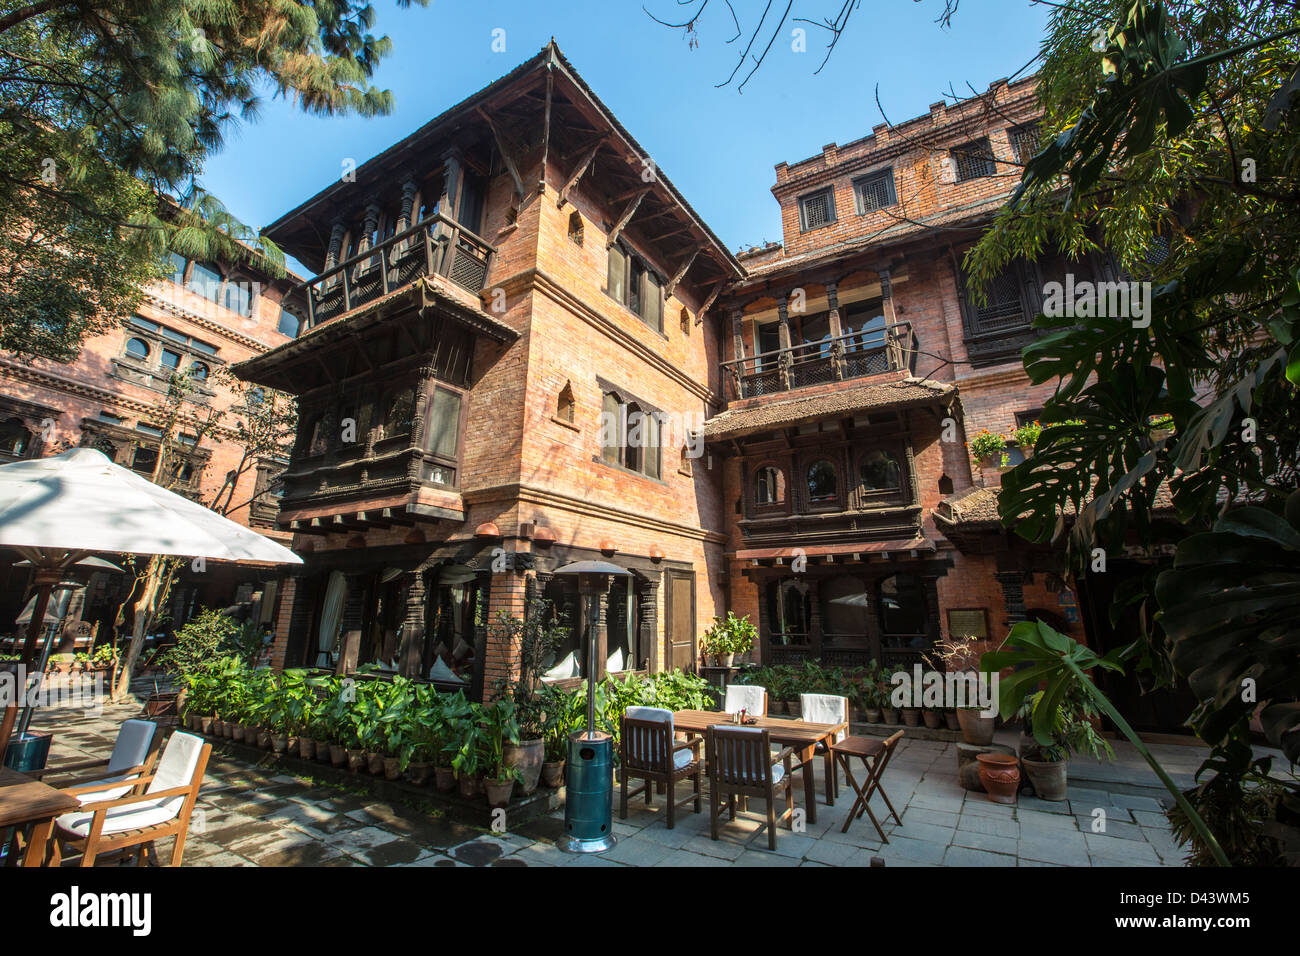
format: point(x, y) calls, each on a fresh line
point(437, 246)
point(855, 355)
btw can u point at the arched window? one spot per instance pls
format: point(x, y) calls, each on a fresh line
point(769, 486)
point(789, 610)
point(637, 435)
point(611, 427)
point(822, 485)
point(199, 372)
point(879, 471)
point(844, 610)
point(15, 439)
point(137, 349)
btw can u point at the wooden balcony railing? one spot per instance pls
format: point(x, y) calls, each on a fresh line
point(854, 355)
point(437, 246)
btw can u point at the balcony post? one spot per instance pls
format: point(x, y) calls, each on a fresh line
point(891, 336)
point(836, 330)
point(411, 649)
point(786, 359)
point(738, 348)
point(337, 232)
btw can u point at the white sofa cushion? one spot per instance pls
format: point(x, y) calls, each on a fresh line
point(746, 697)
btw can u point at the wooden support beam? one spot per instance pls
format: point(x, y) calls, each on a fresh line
point(546, 132)
point(505, 154)
point(624, 219)
point(708, 303)
point(681, 271)
point(577, 173)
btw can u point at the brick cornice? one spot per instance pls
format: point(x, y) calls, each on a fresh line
point(160, 302)
point(537, 495)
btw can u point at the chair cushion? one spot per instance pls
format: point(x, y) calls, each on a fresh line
point(567, 667)
point(109, 792)
point(825, 709)
point(659, 715)
point(682, 758)
point(176, 769)
point(614, 663)
point(440, 671)
point(138, 815)
point(746, 697)
point(132, 745)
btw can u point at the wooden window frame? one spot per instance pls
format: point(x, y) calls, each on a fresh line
point(829, 193)
point(887, 175)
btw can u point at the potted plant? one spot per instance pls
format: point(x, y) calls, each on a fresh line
point(561, 717)
point(1049, 738)
point(727, 637)
point(985, 447)
point(960, 655)
point(468, 759)
point(499, 729)
point(537, 636)
point(1026, 436)
point(454, 713)
point(932, 716)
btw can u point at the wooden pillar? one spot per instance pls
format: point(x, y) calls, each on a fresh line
point(783, 335)
point(814, 617)
point(483, 599)
point(410, 651)
point(648, 628)
point(368, 227)
point(892, 341)
point(738, 352)
point(838, 347)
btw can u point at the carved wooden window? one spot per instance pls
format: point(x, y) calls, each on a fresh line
point(902, 605)
point(823, 484)
point(630, 436)
point(1024, 141)
point(565, 406)
point(631, 281)
point(15, 440)
point(442, 423)
point(769, 486)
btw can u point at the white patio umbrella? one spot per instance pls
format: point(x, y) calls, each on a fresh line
point(55, 511)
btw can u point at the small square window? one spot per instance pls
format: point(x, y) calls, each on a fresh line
point(974, 160)
point(170, 359)
point(817, 209)
point(1024, 141)
point(875, 191)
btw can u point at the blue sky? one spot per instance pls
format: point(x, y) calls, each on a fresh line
point(718, 147)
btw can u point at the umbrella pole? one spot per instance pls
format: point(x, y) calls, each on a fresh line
point(46, 578)
point(30, 692)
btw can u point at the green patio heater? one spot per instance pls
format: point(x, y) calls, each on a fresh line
point(589, 773)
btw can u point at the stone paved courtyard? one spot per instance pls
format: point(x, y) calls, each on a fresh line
point(248, 815)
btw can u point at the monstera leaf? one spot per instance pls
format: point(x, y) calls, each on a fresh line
point(1231, 607)
point(1038, 654)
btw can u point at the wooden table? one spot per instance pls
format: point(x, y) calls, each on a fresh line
point(26, 801)
point(802, 735)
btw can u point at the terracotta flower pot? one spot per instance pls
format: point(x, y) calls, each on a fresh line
point(1049, 777)
point(205, 725)
point(444, 778)
point(911, 717)
point(873, 715)
point(933, 719)
point(356, 760)
point(306, 748)
point(795, 708)
point(293, 743)
point(1000, 774)
point(279, 743)
point(392, 768)
point(526, 757)
point(417, 772)
point(975, 728)
point(469, 785)
point(264, 738)
point(323, 752)
point(374, 763)
point(950, 720)
point(499, 791)
point(553, 773)
point(338, 755)
point(890, 715)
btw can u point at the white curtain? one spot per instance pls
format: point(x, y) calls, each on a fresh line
point(332, 612)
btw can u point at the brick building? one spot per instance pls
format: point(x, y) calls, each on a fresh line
point(202, 318)
point(524, 348)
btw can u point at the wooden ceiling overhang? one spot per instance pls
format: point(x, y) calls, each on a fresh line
point(541, 113)
point(846, 553)
point(346, 349)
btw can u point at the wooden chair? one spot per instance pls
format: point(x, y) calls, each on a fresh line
point(162, 810)
point(747, 697)
point(648, 752)
point(741, 763)
point(134, 753)
point(7, 727)
point(826, 709)
point(875, 755)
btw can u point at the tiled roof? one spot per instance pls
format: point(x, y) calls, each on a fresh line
point(735, 422)
point(979, 506)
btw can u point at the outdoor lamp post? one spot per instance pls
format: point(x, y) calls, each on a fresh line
point(589, 784)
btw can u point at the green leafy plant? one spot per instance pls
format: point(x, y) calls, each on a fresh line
point(984, 445)
point(499, 727)
point(1038, 654)
point(729, 635)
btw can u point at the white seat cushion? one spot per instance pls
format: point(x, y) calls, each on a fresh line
point(132, 745)
point(778, 769)
point(614, 663)
point(440, 671)
point(746, 697)
point(567, 667)
point(681, 758)
point(825, 709)
point(120, 818)
point(108, 793)
point(660, 715)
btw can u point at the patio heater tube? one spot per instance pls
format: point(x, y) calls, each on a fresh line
point(589, 773)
